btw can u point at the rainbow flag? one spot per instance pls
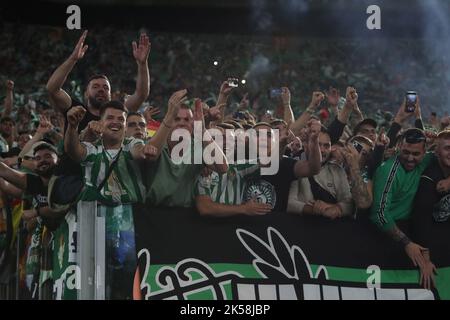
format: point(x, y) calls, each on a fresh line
point(152, 127)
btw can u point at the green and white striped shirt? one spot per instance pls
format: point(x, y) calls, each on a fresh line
point(226, 188)
point(124, 185)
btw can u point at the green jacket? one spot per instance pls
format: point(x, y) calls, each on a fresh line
point(394, 190)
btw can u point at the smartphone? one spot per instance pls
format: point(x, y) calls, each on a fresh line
point(358, 146)
point(275, 93)
point(411, 99)
point(239, 115)
point(233, 83)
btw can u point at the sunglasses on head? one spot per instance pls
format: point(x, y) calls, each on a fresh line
point(414, 136)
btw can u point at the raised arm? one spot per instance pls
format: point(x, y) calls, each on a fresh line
point(288, 115)
point(220, 166)
point(360, 190)
point(351, 104)
point(224, 94)
point(396, 125)
point(58, 96)
point(160, 138)
point(313, 165)
point(9, 99)
point(44, 126)
point(140, 53)
point(72, 144)
point(317, 98)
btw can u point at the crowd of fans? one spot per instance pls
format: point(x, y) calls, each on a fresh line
point(82, 140)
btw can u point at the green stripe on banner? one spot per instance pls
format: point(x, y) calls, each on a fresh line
point(335, 273)
point(183, 255)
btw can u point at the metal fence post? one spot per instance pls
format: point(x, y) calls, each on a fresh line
point(100, 245)
point(86, 212)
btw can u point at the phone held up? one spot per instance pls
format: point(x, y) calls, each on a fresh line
point(233, 83)
point(358, 146)
point(274, 93)
point(411, 99)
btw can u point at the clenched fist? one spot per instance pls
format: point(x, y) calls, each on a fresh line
point(75, 115)
point(150, 152)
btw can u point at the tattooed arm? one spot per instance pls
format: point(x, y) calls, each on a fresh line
point(360, 190)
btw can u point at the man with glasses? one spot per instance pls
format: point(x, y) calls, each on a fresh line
point(136, 126)
point(395, 185)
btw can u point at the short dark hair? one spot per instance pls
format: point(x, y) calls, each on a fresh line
point(7, 119)
point(277, 122)
point(225, 125)
point(444, 134)
point(138, 114)
point(113, 104)
point(24, 132)
point(97, 76)
point(234, 123)
point(414, 136)
point(45, 146)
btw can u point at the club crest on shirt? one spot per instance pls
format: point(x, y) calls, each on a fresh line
point(261, 191)
point(441, 210)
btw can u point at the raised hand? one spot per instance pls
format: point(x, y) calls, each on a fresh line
point(351, 156)
point(285, 96)
point(141, 50)
point(45, 125)
point(417, 111)
point(9, 85)
point(215, 113)
point(198, 110)
point(314, 126)
point(149, 112)
point(383, 139)
point(95, 128)
point(175, 101)
point(80, 48)
point(351, 97)
point(75, 115)
point(225, 88)
point(317, 98)
point(402, 115)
